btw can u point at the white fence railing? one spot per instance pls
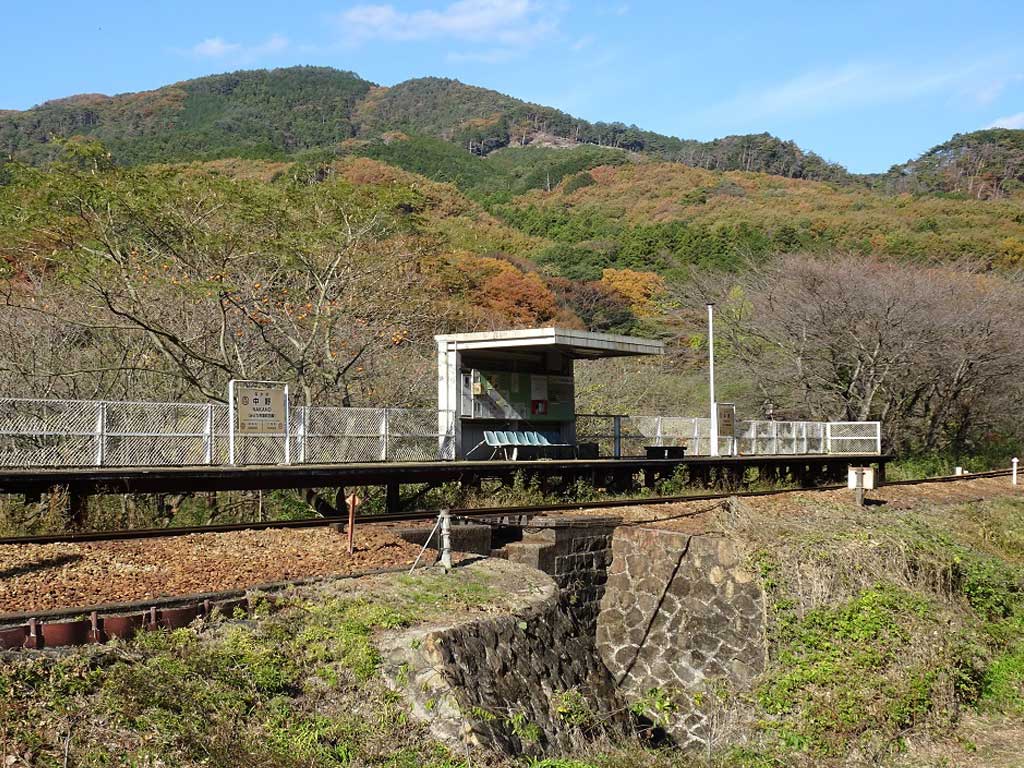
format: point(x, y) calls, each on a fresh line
point(52, 433)
point(628, 435)
point(48, 433)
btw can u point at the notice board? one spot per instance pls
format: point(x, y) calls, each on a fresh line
point(511, 396)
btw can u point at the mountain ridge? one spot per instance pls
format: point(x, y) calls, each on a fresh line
point(284, 113)
point(163, 124)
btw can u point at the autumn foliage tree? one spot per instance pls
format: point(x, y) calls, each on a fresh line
point(165, 283)
point(936, 354)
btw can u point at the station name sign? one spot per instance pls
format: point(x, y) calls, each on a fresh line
point(261, 409)
point(726, 419)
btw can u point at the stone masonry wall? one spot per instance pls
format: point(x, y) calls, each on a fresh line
point(524, 682)
point(681, 615)
point(575, 552)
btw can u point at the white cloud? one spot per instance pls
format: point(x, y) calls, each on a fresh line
point(584, 42)
point(508, 23)
point(274, 44)
point(491, 56)
point(219, 48)
point(1010, 121)
point(988, 92)
point(856, 84)
point(214, 48)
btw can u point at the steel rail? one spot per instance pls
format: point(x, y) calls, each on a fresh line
point(468, 513)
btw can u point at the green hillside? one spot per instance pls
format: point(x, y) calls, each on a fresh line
point(982, 164)
point(283, 112)
point(160, 251)
point(242, 114)
point(663, 216)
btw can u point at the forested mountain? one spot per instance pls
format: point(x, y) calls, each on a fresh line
point(242, 114)
point(982, 164)
point(663, 217)
point(283, 112)
point(304, 224)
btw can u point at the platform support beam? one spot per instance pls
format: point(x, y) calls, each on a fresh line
point(78, 504)
point(393, 503)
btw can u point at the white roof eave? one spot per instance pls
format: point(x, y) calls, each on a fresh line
point(604, 344)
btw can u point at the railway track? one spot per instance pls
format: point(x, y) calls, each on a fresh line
point(74, 624)
point(467, 513)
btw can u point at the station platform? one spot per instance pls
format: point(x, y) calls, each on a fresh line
point(615, 474)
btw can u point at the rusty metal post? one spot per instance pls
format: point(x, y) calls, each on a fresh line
point(352, 523)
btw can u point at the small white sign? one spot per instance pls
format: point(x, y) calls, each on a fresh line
point(260, 409)
point(869, 477)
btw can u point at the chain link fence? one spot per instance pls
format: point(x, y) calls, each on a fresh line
point(58, 433)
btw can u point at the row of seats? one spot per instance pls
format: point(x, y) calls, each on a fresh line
point(508, 439)
point(509, 442)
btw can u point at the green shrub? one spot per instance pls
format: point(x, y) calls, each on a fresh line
point(1002, 686)
point(841, 673)
point(578, 181)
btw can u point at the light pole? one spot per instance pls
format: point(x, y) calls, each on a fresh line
point(713, 438)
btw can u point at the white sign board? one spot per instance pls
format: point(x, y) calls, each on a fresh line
point(869, 477)
point(260, 409)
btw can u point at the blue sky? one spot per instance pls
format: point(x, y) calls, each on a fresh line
point(865, 84)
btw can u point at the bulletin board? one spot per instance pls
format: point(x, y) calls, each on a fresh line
point(511, 396)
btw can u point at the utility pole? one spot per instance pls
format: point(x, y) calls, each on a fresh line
point(713, 448)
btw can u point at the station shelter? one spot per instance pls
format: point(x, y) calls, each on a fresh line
point(518, 385)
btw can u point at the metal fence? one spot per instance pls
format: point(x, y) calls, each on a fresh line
point(40, 433)
point(620, 435)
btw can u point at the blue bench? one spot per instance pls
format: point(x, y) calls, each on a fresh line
point(504, 440)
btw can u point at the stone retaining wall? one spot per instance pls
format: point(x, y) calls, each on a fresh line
point(671, 621)
point(681, 616)
point(575, 552)
point(523, 683)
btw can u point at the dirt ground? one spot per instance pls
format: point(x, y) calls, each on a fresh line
point(696, 516)
point(978, 741)
point(51, 576)
point(66, 575)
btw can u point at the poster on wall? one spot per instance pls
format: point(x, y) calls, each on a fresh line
point(516, 396)
point(538, 387)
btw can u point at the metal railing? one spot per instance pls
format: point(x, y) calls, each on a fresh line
point(621, 435)
point(57, 433)
point(50, 433)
